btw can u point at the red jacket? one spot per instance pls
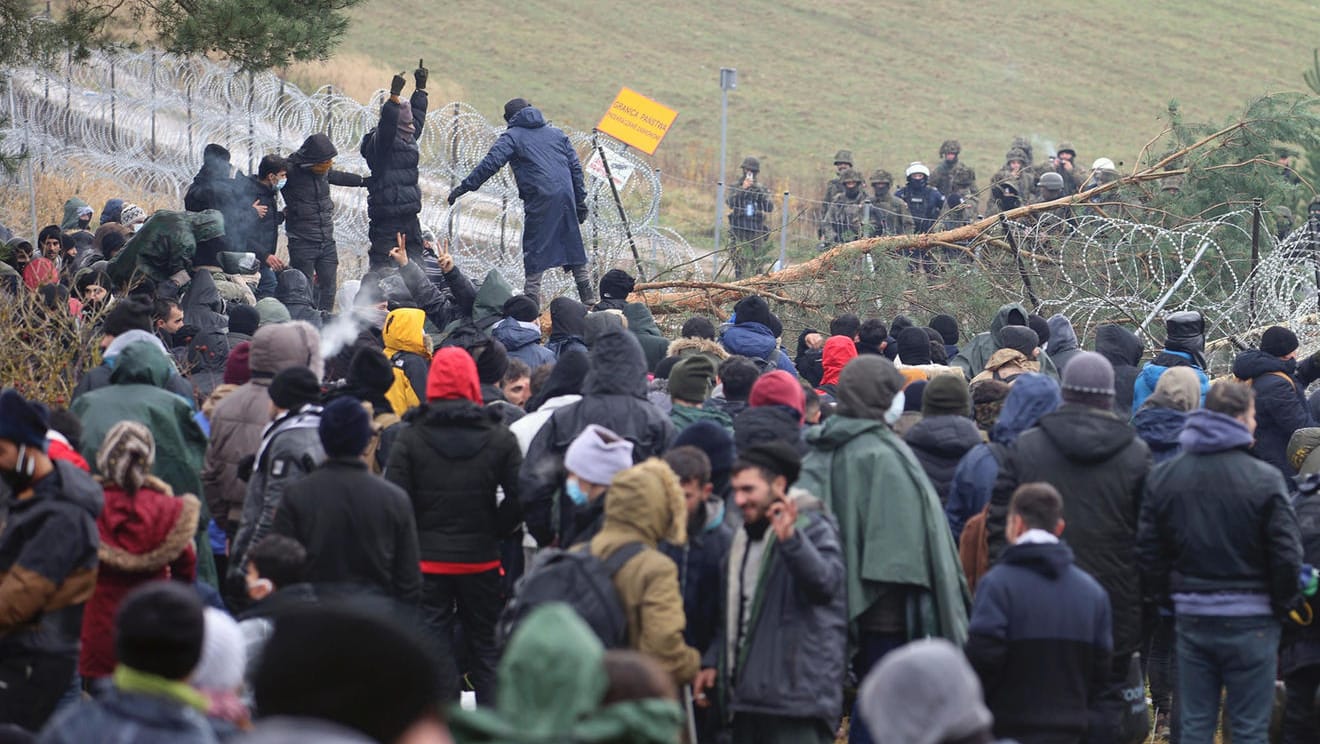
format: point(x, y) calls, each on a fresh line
point(145, 537)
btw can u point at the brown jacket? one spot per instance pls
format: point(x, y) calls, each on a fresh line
point(974, 551)
point(645, 504)
point(1005, 365)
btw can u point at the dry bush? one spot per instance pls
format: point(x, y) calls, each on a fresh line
point(44, 351)
point(53, 189)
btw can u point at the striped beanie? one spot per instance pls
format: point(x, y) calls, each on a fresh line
point(126, 455)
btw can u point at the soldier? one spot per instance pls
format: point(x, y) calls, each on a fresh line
point(923, 200)
point(1285, 161)
point(952, 176)
point(1015, 170)
point(1103, 171)
point(889, 214)
point(749, 203)
point(1004, 195)
point(843, 160)
point(1065, 166)
point(1058, 220)
point(843, 216)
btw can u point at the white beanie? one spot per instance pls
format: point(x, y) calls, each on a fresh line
point(597, 454)
point(923, 693)
point(224, 655)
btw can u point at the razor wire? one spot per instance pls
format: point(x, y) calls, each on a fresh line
point(142, 119)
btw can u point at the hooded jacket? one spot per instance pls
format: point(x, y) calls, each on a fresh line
point(755, 341)
point(1149, 376)
point(568, 328)
point(645, 505)
point(613, 396)
point(973, 357)
point(99, 376)
point(208, 349)
point(394, 197)
point(406, 348)
point(246, 231)
point(1123, 350)
point(1159, 428)
point(699, 574)
point(165, 245)
point(71, 209)
point(1096, 458)
point(1006, 365)
point(939, 443)
point(549, 177)
point(522, 343)
point(308, 208)
point(641, 323)
point(1063, 341)
point(1281, 408)
point(294, 291)
point(1301, 645)
point(1218, 520)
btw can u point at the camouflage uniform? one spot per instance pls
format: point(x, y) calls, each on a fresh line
point(833, 189)
point(953, 178)
point(1024, 182)
point(1072, 179)
point(747, 210)
point(843, 216)
point(889, 214)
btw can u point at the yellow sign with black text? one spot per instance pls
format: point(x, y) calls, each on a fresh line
point(637, 121)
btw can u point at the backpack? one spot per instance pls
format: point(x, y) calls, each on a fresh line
point(765, 365)
point(580, 580)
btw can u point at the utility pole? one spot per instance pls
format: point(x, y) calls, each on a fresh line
point(728, 82)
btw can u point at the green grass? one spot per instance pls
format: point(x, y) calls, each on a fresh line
point(887, 80)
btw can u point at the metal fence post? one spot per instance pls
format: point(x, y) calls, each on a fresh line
point(252, 122)
point(783, 233)
point(114, 135)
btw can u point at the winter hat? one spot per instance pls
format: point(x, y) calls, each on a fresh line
point(492, 363)
point(698, 326)
point(1042, 328)
point(939, 354)
point(126, 455)
point(776, 457)
point(923, 693)
point(987, 401)
point(1089, 379)
point(294, 388)
point(159, 629)
point(752, 309)
point(223, 654)
point(778, 388)
point(521, 308)
point(21, 422)
point(272, 311)
point(243, 319)
point(131, 313)
point(379, 680)
point(597, 454)
point(131, 215)
point(913, 346)
point(692, 378)
point(369, 370)
point(1178, 388)
point(666, 367)
point(867, 387)
point(947, 325)
point(775, 325)
point(616, 285)
point(714, 440)
point(514, 106)
point(946, 395)
point(1278, 341)
point(91, 277)
point(914, 396)
point(1020, 339)
point(1300, 446)
point(453, 376)
point(899, 322)
point(238, 369)
point(345, 427)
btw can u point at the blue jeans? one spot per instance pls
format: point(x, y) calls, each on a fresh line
point(1237, 654)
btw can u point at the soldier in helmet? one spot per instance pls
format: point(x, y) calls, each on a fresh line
point(1066, 167)
point(843, 215)
point(1004, 195)
point(843, 160)
point(923, 200)
point(749, 202)
point(1057, 220)
point(1016, 169)
point(1283, 223)
point(952, 176)
point(889, 214)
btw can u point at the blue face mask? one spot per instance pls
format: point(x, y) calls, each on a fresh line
point(575, 492)
point(280, 183)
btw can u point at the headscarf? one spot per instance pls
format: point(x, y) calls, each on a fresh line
point(126, 455)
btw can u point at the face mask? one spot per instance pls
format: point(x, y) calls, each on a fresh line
point(895, 408)
point(280, 183)
point(852, 191)
point(21, 476)
point(575, 492)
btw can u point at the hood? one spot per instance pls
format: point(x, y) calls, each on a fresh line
point(750, 340)
point(71, 208)
point(208, 224)
point(453, 376)
point(141, 363)
point(1119, 345)
point(488, 308)
point(112, 211)
point(203, 293)
point(640, 320)
point(839, 430)
point(1011, 314)
point(1209, 431)
point(1254, 363)
point(1159, 427)
point(272, 311)
point(684, 346)
point(1032, 396)
point(945, 436)
point(868, 387)
point(1062, 336)
point(1086, 435)
point(838, 351)
point(568, 317)
point(294, 289)
point(275, 348)
point(529, 117)
point(566, 378)
point(78, 488)
point(315, 149)
point(128, 338)
point(405, 330)
point(1048, 560)
point(514, 335)
point(1009, 357)
point(618, 366)
point(647, 499)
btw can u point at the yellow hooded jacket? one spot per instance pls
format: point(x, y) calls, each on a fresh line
point(410, 355)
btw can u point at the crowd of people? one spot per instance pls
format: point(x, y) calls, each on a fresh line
point(281, 507)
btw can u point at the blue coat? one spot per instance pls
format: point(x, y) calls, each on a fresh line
point(522, 343)
point(125, 717)
point(1150, 374)
point(755, 341)
point(549, 178)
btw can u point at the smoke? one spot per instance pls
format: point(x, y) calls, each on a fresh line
point(340, 332)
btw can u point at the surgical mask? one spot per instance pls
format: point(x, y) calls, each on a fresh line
point(575, 492)
point(280, 183)
point(895, 408)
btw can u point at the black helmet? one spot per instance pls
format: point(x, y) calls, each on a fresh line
point(1050, 181)
point(750, 163)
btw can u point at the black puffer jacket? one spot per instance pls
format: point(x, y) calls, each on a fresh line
point(393, 194)
point(1281, 409)
point(450, 459)
point(1123, 350)
point(1100, 465)
point(613, 396)
point(309, 210)
point(209, 347)
point(1301, 645)
point(939, 442)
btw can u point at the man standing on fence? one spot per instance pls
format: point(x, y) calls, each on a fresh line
point(749, 203)
point(309, 214)
point(394, 198)
point(549, 177)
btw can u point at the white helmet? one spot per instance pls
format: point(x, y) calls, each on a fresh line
point(1103, 164)
point(917, 167)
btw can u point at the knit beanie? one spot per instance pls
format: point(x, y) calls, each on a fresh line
point(126, 455)
point(345, 427)
point(243, 319)
point(514, 106)
point(1041, 326)
point(238, 366)
point(224, 654)
point(698, 326)
point(616, 285)
point(129, 314)
point(752, 309)
point(597, 454)
point(913, 346)
point(1278, 341)
point(21, 422)
point(521, 308)
point(714, 440)
point(370, 371)
point(778, 388)
point(159, 629)
point(923, 693)
point(692, 378)
point(946, 395)
point(899, 323)
point(294, 388)
point(1020, 339)
point(947, 325)
point(1088, 379)
point(776, 457)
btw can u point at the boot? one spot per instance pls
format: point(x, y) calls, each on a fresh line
point(585, 293)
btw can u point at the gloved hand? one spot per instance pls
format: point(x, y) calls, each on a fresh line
point(582, 213)
point(457, 192)
point(396, 85)
point(420, 75)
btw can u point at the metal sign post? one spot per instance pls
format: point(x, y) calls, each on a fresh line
point(728, 82)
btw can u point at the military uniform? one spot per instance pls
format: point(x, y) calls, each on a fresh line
point(889, 214)
point(1023, 182)
point(832, 189)
point(1072, 179)
point(843, 215)
point(747, 210)
point(1058, 220)
point(953, 178)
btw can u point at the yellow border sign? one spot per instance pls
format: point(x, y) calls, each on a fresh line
point(637, 121)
